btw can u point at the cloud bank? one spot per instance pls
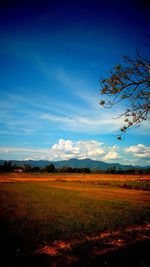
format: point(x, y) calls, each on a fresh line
point(67, 149)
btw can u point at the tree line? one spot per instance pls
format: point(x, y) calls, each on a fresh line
point(8, 166)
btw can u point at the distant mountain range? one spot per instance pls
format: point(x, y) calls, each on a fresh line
point(76, 163)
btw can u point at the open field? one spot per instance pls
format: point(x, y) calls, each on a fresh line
point(74, 220)
point(70, 177)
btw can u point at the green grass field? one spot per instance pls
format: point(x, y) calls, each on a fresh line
point(38, 214)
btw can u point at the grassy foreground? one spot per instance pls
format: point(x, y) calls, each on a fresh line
point(34, 215)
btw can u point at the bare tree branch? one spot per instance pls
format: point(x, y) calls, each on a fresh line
point(129, 82)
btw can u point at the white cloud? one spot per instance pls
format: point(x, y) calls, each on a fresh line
point(139, 151)
point(91, 149)
point(135, 149)
point(66, 149)
point(112, 154)
point(63, 150)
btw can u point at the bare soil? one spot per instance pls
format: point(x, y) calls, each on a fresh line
point(101, 244)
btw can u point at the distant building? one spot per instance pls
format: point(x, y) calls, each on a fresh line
point(18, 170)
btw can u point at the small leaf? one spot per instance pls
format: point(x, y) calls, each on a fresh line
point(124, 96)
point(118, 67)
point(102, 102)
point(104, 90)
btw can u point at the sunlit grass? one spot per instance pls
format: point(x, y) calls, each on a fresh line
point(35, 213)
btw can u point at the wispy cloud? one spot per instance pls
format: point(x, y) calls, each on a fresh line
point(65, 116)
point(33, 113)
point(85, 124)
point(23, 153)
point(90, 113)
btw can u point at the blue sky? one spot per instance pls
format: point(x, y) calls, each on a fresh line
point(53, 54)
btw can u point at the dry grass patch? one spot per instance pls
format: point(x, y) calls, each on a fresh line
point(10, 177)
